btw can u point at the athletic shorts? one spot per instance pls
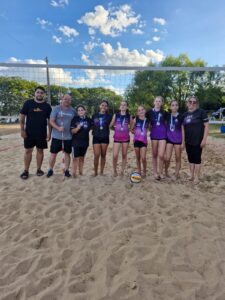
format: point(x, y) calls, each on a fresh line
point(122, 142)
point(163, 139)
point(97, 140)
point(194, 154)
point(39, 143)
point(139, 144)
point(56, 146)
point(79, 151)
point(170, 142)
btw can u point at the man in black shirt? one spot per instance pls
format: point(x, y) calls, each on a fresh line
point(34, 117)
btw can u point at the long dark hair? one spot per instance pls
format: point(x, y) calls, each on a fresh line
point(105, 101)
point(127, 110)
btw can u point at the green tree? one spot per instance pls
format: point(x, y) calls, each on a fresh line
point(177, 84)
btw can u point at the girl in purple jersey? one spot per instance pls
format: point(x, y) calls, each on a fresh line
point(140, 128)
point(174, 138)
point(121, 122)
point(158, 136)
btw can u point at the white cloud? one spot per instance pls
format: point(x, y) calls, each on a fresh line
point(57, 40)
point(156, 38)
point(155, 30)
point(137, 31)
point(68, 31)
point(148, 42)
point(57, 76)
point(43, 23)
point(91, 31)
point(125, 57)
point(85, 58)
point(142, 24)
point(90, 46)
point(160, 21)
point(110, 22)
point(59, 3)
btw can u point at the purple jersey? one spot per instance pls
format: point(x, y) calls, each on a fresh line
point(174, 131)
point(122, 128)
point(141, 129)
point(158, 124)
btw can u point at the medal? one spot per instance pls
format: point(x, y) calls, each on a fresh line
point(101, 122)
point(122, 122)
point(143, 127)
point(172, 123)
point(157, 117)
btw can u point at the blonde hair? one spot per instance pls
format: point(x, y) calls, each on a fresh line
point(194, 98)
point(159, 97)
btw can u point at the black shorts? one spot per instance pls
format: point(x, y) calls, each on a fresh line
point(122, 142)
point(139, 144)
point(39, 143)
point(194, 154)
point(170, 142)
point(98, 140)
point(79, 151)
point(56, 146)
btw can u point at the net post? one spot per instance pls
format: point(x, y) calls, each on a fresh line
point(48, 81)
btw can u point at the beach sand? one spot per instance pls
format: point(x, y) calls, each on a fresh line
point(105, 239)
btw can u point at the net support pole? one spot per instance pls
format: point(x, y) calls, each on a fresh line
point(48, 81)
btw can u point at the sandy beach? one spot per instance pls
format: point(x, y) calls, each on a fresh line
point(104, 238)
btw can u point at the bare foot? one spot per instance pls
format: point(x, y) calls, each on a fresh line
point(143, 175)
point(191, 178)
point(74, 175)
point(94, 174)
point(115, 174)
point(156, 176)
point(196, 181)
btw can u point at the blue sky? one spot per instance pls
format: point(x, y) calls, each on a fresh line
point(117, 33)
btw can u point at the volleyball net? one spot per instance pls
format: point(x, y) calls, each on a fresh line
point(91, 84)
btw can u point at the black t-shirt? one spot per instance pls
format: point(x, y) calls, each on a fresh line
point(101, 124)
point(193, 123)
point(81, 138)
point(36, 118)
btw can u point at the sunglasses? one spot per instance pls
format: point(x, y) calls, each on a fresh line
point(192, 102)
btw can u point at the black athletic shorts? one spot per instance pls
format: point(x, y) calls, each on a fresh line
point(79, 151)
point(56, 146)
point(121, 142)
point(170, 142)
point(39, 143)
point(194, 154)
point(97, 140)
point(139, 144)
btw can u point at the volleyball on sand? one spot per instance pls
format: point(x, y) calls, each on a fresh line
point(135, 177)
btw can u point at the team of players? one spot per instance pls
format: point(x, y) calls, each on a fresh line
point(70, 128)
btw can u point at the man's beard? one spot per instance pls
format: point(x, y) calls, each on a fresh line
point(39, 98)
